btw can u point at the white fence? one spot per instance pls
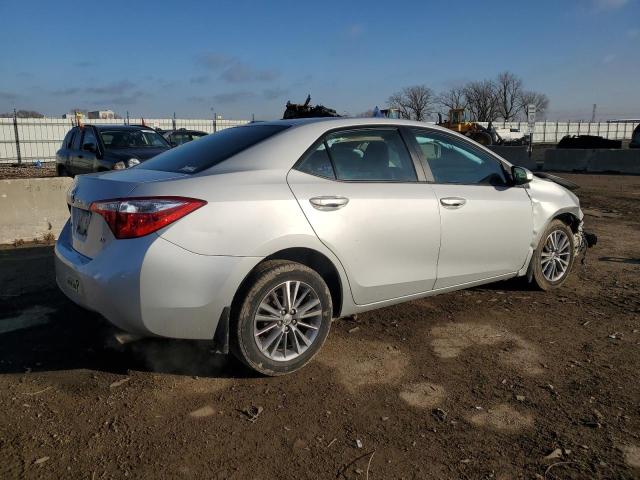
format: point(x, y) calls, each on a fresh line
point(40, 138)
point(552, 132)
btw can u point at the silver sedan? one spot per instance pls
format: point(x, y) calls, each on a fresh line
point(257, 236)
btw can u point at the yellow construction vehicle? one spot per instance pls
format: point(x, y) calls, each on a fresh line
point(458, 122)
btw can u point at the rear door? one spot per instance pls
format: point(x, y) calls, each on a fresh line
point(74, 151)
point(367, 202)
point(63, 155)
point(85, 160)
point(486, 223)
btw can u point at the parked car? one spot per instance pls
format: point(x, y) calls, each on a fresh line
point(635, 138)
point(182, 135)
point(98, 148)
point(588, 142)
point(257, 236)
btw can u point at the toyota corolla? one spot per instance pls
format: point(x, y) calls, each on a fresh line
point(257, 236)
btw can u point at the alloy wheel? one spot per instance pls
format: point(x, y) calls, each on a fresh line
point(287, 321)
point(555, 255)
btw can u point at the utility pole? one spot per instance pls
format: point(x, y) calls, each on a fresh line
point(593, 114)
point(15, 131)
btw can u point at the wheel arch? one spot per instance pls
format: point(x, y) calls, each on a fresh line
point(311, 258)
point(570, 219)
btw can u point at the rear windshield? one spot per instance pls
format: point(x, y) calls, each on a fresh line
point(193, 157)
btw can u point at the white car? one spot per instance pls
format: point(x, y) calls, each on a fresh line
point(257, 236)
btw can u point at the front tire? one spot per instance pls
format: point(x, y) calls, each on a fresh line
point(282, 319)
point(554, 256)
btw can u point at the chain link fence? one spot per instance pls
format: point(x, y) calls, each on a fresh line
point(27, 140)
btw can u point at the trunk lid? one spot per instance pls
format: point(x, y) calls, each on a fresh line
point(90, 233)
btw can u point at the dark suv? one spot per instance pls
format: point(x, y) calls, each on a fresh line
point(97, 148)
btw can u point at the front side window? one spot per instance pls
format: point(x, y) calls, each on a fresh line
point(453, 161)
point(370, 155)
point(129, 138)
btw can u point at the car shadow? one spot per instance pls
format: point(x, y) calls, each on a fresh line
point(632, 261)
point(517, 284)
point(50, 333)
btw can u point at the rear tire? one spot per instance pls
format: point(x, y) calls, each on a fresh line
point(289, 340)
point(553, 258)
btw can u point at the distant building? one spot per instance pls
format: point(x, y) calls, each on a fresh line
point(72, 115)
point(101, 114)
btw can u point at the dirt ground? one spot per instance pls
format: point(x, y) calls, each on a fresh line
point(498, 382)
point(28, 170)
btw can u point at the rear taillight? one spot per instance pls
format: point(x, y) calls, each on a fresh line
point(136, 217)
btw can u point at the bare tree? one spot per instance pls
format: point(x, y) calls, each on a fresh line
point(452, 99)
point(413, 102)
point(540, 100)
point(509, 93)
point(482, 100)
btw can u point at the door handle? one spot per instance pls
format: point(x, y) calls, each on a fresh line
point(328, 202)
point(452, 202)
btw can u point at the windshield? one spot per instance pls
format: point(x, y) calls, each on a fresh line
point(113, 139)
point(212, 149)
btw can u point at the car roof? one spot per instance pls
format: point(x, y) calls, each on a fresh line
point(184, 130)
point(120, 127)
point(329, 123)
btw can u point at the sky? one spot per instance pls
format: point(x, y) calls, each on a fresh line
point(240, 58)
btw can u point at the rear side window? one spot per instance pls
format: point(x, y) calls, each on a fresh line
point(318, 163)
point(371, 155)
point(193, 157)
point(66, 143)
point(75, 141)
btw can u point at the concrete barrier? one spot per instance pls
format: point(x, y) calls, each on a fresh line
point(516, 155)
point(32, 208)
point(592, 161)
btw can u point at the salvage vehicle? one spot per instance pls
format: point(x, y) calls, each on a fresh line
point(98, 148)
point(182, 135)
point(257, 236)
point(588, 142)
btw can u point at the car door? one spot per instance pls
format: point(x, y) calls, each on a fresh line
point(63, 154)
point(365, 196)
point(74, 151)
point(486, 223)
point(85, 159)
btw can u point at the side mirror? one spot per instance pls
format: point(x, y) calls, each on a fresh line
point(521, 176)
point(89, 147)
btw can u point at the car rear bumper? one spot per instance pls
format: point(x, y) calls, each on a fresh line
point(149, 286)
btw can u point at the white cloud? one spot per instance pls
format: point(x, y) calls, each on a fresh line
point(609, 4)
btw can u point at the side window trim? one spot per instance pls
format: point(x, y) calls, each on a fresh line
point(464, 142)
point(421, 166)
